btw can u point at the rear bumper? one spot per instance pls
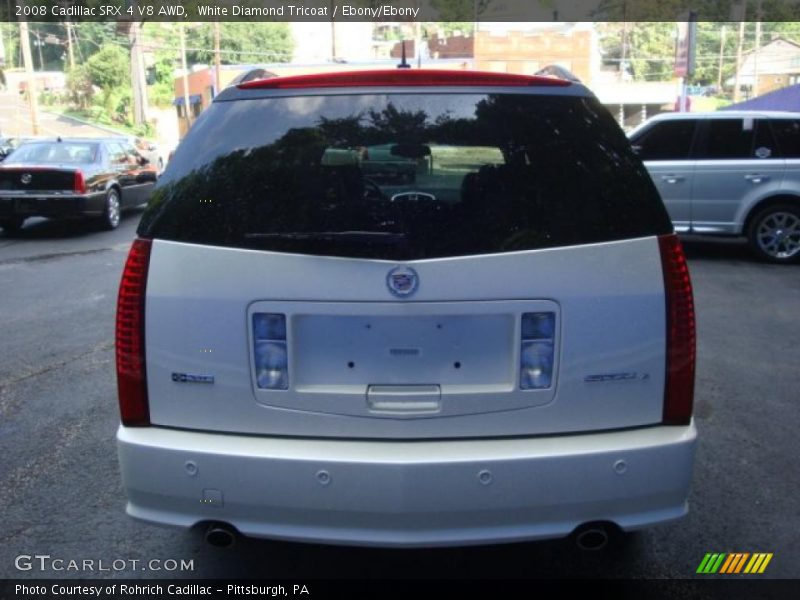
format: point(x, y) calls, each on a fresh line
point(389, 493)
point(52, 206)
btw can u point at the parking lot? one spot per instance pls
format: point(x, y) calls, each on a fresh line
point(61, 493)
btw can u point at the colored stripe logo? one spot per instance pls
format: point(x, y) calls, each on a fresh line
point(734, 562)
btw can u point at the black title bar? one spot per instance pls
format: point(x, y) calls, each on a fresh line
point(399, 10)
point(316, 589)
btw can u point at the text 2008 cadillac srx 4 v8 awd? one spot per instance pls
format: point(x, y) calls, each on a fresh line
point(406, 308)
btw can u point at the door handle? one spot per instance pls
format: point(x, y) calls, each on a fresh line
point(755, 178)
point(672, 178)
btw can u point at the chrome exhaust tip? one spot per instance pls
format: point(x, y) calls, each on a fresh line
point(221, 535)
point(592, 537)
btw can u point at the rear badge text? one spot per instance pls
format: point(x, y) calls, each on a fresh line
point(190, 378)
point(603, 377)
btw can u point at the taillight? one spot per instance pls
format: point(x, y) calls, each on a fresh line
point(79, 185)
point(272, 362)
point(131, 374)
point(679, 389)
point(536, 351)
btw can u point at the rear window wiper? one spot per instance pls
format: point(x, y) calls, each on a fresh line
point(380, 237)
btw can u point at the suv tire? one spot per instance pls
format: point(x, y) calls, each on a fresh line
point(774, 234)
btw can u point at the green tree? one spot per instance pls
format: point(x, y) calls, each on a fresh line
point(162, 91)
point(91, 37)
point(650, 48)
point(11, 43)
point(461, 10)
point(448, 28)
point(79, 87)
point(109, 69)
point(710, 41)
point(242, 43)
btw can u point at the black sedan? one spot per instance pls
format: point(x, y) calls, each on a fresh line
point(73, 178)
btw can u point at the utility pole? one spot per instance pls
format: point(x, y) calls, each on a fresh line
point(418, 38)
point(28, 60)
point(185, 69)
point(70, 52)
point(623, 51)
point(137, 76)
point(757, 49)
point(418, 43)
point(2, 49)
point(217, 59)
point(721, 55)
point(39, 48)
point(685, 57)
point(333, 35)
point(737, 95)
point(76, 43)
point(755, 59)
point(474, 23)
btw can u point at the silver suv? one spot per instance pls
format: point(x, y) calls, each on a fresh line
point(729, 173)
point(406, 308)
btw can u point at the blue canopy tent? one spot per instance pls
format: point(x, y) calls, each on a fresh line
point(787, 98)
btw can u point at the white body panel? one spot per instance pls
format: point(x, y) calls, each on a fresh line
point(400, 416)
point(407, 493)
point(609, 305)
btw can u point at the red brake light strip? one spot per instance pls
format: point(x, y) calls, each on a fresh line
point(131, 374)
point(679, 390)
point(402, 77)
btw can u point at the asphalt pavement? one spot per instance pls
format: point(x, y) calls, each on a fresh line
point(61, 493)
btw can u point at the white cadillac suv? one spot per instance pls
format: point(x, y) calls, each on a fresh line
point(406, 308)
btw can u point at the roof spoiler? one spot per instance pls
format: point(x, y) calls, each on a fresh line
point(402, 77)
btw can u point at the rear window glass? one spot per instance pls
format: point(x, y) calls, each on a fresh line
point(56, 153)
point(404, 176)
point(727, 139)
point(665, 140)
point(788, 133)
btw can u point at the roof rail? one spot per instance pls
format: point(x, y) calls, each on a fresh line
point(557, 71)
